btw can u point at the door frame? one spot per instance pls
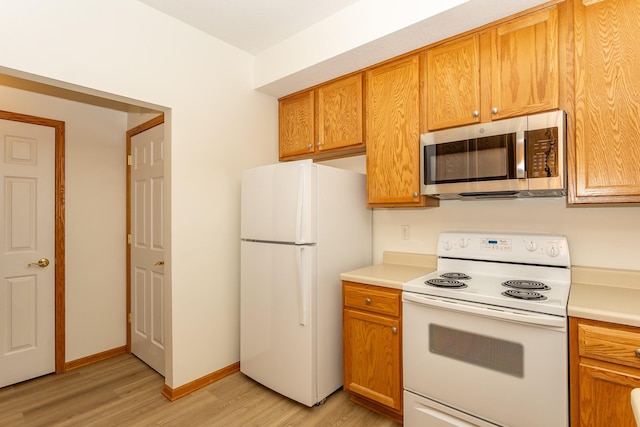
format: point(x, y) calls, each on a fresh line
point(130, 133)
point(59, 227)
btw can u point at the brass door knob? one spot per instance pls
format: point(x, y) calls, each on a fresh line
point(158, 263)
point(42, 262)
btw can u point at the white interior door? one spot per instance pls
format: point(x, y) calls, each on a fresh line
point(147, 247)
point(27, 234)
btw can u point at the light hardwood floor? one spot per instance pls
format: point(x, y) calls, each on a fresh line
point(123, 391)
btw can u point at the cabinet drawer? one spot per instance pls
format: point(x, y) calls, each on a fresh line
point(372, 298)
point(613, 344)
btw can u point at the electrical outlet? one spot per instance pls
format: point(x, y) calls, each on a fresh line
point(404, 232)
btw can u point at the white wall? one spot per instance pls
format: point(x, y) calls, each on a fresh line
point(368, 32)
point(599, 236)
point(219, 125)
point(94, 213)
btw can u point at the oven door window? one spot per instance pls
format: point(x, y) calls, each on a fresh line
point(480, 350)
point(480, 159)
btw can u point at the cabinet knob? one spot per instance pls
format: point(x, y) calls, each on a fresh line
point(367, 301)
point(310, 145)
point(415, 194)
point(319, 143)
point(394, 330)
point(476, 113)
point(638, 352)
point(494, 110)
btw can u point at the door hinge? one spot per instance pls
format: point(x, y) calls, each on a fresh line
point(129, 239)
point(129, 318)
point(129, 160)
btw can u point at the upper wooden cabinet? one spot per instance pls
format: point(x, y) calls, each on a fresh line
point(323, 122)
point(393, 135)
point(340, 114)
point(506, 71)
point(297, 130)
point(524, 65)
point(453, 83)
point(605, 162)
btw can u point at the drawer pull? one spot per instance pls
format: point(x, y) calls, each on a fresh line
point(638, 352)
point(368, 301)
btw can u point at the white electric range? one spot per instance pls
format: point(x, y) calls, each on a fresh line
point(487, 328)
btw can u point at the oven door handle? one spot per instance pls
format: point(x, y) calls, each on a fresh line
point(486, 310)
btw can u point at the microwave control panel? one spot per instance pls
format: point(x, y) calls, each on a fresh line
point(542, 153)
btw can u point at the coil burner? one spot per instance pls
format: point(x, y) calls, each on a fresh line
point(524, 294)
point(445, 283)
point(455, 276)
point(531, 285)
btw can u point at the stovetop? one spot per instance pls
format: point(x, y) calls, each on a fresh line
point(490, 260)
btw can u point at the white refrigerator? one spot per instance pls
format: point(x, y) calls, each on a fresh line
point(302, 224)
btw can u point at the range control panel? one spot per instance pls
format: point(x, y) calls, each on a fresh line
point(543, 249)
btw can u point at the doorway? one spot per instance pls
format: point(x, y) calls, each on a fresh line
point(59, 227)
point(146, 244)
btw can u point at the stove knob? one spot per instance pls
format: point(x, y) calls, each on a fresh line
point(463, 243)
point(531, 246)
point(553, 251)
point(447, 245)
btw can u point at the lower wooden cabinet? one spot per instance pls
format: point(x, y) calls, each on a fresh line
point(605, 367)
point(372, 339)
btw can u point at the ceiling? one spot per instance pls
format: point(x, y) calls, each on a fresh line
point(250, 25)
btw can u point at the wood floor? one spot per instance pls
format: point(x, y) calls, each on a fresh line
point(123, 391)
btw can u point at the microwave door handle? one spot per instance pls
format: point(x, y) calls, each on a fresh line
point(520, 166)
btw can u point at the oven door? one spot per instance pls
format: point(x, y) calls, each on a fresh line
point(484, 365)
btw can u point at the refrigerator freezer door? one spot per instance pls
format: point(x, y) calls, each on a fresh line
point(278, 203)
point(277, 342)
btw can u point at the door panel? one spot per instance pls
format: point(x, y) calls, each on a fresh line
point(277, 320)
point(147, 247)
point(278, 203)
point(27, 291)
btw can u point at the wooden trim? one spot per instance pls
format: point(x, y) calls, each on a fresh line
point(130, 133)
point(377, 407)
point(174, 394)
point(574, 373)
point(98, 357)
point(59, 127)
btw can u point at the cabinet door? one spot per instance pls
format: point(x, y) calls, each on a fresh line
point(607, 102)
point(524, 65)
point(605, 397)
point(393, 135)
point(453, 83)
point(372, 357)
point(296, 123)
point(340, 114)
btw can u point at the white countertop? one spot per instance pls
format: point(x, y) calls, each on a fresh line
point(596, 293)
point(606, 295)
point(396, 268)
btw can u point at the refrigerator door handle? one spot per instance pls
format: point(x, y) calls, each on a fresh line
point(301, 282)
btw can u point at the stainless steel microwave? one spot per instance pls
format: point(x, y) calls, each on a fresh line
point(519, 157)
